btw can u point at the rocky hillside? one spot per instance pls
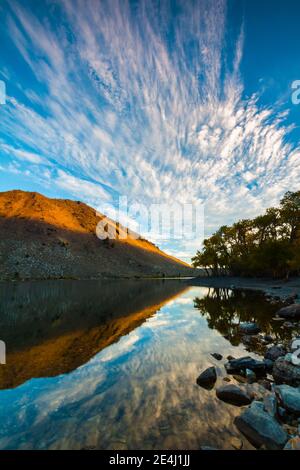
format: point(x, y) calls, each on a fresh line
point(42, 238)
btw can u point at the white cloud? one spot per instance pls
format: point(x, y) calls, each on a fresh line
point(134, 115)
point(81, 188)
point(22, 155)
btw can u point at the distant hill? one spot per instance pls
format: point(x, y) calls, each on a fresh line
point(43, 238)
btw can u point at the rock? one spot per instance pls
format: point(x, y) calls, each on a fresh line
point(235, 366)
point(295, 344)
point(256, 391)
point(240, 379)
point(269, 338)
point(261, 340)
point(265, 383)
point(288, 358)
point(250, 376)
point(289, 398)
point(230, 358)
point(270, 405)
point(248, 339)
point(233, 394)
point(260, 428)
point(288, 324)
point(236, 443)
point(269, 365)
point(274, 352)
point(291, 429)
point(292, 311)
point(217, 356)
point(281, 412)
point(291, 298)
point(293, 444)
point(285, 372)
point(249, 328)
point(207, 378)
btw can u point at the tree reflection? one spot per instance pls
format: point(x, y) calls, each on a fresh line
point(226, 309)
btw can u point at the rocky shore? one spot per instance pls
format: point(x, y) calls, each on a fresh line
point(267, 389)
point(286, 290)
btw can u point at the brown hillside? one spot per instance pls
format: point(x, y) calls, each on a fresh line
point(55, 238)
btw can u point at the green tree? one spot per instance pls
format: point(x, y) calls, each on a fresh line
point(268, 245)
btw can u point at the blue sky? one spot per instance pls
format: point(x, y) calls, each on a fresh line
point(157, 100)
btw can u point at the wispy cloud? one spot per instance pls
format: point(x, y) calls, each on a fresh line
point(145, 100)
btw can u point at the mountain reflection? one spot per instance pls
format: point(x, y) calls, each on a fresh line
point(114, 364)
point(51, 328)
point(139, 392)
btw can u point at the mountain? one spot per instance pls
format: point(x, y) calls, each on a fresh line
point(43, 238)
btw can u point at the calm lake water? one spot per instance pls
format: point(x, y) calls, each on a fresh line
point(113, 365)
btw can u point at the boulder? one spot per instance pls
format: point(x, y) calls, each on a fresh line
point(288, 324)
point(265, 383)
point(207, 378)
point(293, 444)
point(249, 328)
point(270, 405)
point(217, 356)
point(260, 428)
point(289, 398)
point(282, 413)
point(250, 376)
point(274, 352)
point(256, 391)
point(286, 372)
point(289, 358)
point(236, 366)
point(230, 358)
point(233, 394)
point(269, 338)
point(269, 365)
point(291, 311)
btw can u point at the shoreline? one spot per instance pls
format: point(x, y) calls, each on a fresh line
point(278, 289)
point(272, 288)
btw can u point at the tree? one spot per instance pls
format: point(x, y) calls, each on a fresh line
point(268, 245)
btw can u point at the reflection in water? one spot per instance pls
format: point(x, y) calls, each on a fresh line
point(132, 350)
point(48, 333)
point(226, 309)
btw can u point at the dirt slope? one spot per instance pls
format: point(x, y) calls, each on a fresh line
point(42, 238)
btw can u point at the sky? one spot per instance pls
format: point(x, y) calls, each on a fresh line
point(158, 101)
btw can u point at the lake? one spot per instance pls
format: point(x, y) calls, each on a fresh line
point(113, 365)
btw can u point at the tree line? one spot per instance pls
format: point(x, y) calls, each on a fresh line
point(266, 246)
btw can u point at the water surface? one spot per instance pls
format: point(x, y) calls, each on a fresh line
point(113, 365)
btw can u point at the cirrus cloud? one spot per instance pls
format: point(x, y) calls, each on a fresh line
point(145, 100)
